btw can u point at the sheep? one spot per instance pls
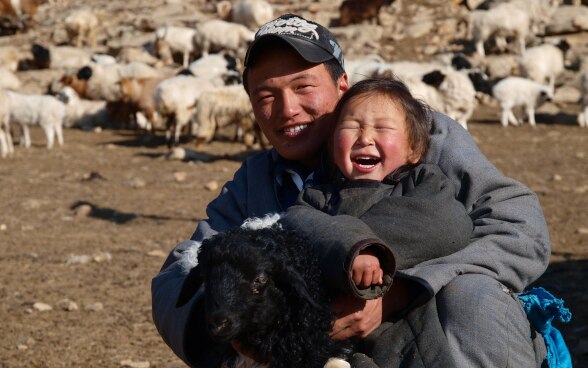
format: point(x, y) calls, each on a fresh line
point(9, 80)
point(544, 63)
point(583, 115)
point(10, 57)
point(216, 65)
point(128, 54)
point(250, 13)
point(220, 108)
point(59, 57)
point(217, 35)
point(19, 13)
point(170, 39)
point(357, 11)
point(263, 293)
point(43, 110)
point(499, 22)
point(513, 92)
point(80, 112)
point(539, 11)
point(6, 147)
point(175, 100)
point(81, 26)
point(139, 94)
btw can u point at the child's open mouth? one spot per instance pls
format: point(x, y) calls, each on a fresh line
point(365, 162)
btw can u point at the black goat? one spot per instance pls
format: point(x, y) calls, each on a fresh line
point(263, 292)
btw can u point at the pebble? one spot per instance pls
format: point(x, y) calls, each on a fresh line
point(138, 183)
point(42, 307)
point(83, 210)
point(211, 185)
point(3, 227)
point(582, 230)
point(95, 307)
point(68, 305)
point(177, 153)
point(180, 176)
point(22, 347)
point(157, 253)
point(132, 364)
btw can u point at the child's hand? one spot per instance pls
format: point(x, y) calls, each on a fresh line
point(366, 270)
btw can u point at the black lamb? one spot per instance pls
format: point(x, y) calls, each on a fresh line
point(263, 292)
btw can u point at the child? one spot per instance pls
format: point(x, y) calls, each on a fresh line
point(384, 209)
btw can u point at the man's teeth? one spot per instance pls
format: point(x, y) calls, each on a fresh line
point(295, 129)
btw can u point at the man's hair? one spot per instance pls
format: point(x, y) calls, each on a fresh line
point(418, 113)
point(333, 66)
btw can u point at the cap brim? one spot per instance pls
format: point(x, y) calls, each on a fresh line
point(309, 51)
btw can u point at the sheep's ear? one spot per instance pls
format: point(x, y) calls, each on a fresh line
point(292, 279)
point(190, 287)
point(434, 78)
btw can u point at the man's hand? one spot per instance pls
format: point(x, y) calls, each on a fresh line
point(358, 317)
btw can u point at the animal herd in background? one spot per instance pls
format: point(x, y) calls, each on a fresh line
point(188, 77)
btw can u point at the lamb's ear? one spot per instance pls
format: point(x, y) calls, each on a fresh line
point(291, 279)
point(190, 287)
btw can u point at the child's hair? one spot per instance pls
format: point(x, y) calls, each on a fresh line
point(418, 114)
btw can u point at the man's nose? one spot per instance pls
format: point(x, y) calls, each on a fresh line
point(289, 105)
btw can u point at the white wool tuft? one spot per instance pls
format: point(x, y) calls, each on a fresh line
point(256, 223)
point(189, 257)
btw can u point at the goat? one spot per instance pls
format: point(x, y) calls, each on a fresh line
point(263, 293)
point(356, 11)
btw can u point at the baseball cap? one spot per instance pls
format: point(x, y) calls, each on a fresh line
point(315, 43)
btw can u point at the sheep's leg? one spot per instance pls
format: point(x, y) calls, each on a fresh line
point(504, 117)
point(584, 123)
point(3, 144)
point(480, 48)
point(552, 82)
point(186, 59)
point(501, 43)
point(531, 115)
point(49, 132)
point(26, 135)
point(512, 118)
point(8, 137)
point(59, 134)
point(521, 42)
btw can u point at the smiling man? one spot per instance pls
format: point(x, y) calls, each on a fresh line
point(294, 74)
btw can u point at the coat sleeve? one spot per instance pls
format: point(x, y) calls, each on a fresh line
point(336, 241)
point(421, 220)
point(510, 240)
point(182, 329)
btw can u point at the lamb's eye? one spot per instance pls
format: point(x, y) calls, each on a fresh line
point(258, 283)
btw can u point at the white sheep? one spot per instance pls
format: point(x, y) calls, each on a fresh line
point(583, 115)
point(220, 108)
point(6, 147)
point(539, 11)
point(499, 22)
point(219, 65)
point(43, 110)
point(81, 26)
point(9, 80)
point(175, 100)
point(544, 63)
point(250, 13)
point(516, 91)
point(80, 112)
point(171, 39)
point(60, 57)
point(218, 35)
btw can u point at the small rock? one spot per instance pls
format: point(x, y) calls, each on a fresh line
point(42, 307)
point(157, 253)
point(95, 307)
point(138, 183)
point(68, 305)
point(3, 227)
point(78, 259)
point(211, 186)
point(582, 231)
point(98, 129)
point(180, 176)
point(177, 153)
point(22, 347)
point(557, 177)
point(132, 364)
point(102, 257)
point(83, 210)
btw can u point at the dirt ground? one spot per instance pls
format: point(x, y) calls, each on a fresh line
point(84, 228)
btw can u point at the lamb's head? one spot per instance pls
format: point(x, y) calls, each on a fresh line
point(256, 283)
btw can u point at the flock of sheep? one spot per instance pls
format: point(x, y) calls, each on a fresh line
point(189, 77)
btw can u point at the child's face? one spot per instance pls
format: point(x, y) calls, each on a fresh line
point(370, 139)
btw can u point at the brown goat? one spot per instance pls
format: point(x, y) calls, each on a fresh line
point(356, 11)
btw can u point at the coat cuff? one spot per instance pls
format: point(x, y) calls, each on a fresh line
point(387, 263)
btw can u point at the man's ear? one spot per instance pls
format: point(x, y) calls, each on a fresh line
point(343, 84)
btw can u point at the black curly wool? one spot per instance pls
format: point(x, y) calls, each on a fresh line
point(263, 290)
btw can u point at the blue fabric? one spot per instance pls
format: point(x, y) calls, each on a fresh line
point(542, 308)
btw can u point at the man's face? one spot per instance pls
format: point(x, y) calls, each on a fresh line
point(293, 101)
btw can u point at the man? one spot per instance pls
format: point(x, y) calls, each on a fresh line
point(453, 311)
